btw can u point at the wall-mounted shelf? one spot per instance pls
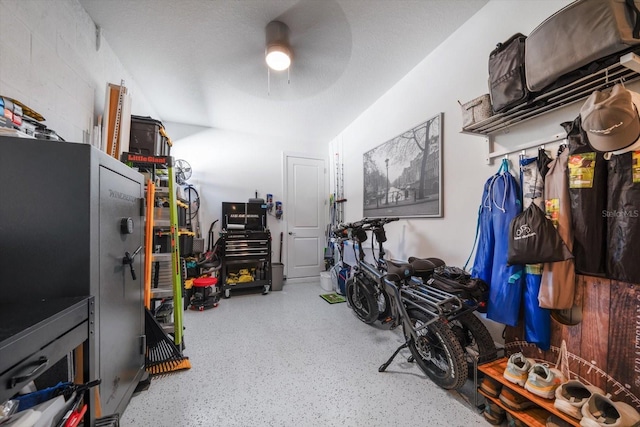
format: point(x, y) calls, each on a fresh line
point(622, 71)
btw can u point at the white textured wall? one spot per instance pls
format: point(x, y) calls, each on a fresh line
point(49, 62)
point(456, 70)
point(231, 166)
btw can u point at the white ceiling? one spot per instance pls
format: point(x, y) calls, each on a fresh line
point(201, 62)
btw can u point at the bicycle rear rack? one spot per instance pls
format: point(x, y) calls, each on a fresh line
point(430, 300)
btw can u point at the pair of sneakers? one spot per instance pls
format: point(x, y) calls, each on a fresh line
point(601, 411)
point(517, 370)
point(537, 378)
point(572, 395)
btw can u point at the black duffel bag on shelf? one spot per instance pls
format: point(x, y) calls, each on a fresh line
point(507, 85)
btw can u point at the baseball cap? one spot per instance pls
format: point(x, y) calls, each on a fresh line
point(611, 119)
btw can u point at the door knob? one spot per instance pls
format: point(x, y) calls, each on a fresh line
point(292, 233)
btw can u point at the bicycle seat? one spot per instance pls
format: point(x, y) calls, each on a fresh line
point(424, 267)
point(396, 271)
point(435, 261)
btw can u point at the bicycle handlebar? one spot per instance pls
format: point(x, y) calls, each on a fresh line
point(371, 222)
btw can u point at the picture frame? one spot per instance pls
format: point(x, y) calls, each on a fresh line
point(403, 176)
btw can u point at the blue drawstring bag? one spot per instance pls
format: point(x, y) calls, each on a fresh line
point(505, 290)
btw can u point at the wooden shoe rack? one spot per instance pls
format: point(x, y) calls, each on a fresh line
point(533, 417)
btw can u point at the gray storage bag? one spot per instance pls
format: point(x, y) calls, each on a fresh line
point(578, 34)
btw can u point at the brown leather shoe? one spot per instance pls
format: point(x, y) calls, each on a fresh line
point(490, 386)
point(514, 422)
point(493, 413)
point(514, 401)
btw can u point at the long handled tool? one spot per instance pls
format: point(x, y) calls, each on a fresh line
point(175, 257)
point(148, 243)
point(162, 356)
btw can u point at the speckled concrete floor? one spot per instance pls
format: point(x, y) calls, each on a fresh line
point(291, 359)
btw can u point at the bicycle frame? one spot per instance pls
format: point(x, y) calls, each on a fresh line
point(407, 293)
point(422, 310)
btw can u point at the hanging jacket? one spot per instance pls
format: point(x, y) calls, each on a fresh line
point(558, 278)
point(623, 217)
point(588, 195)
point(483, 261)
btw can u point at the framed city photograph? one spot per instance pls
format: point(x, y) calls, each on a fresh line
point(403, 176)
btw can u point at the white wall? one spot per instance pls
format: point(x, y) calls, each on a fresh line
point(231, 166)
point(456, 70)
point(49, 62)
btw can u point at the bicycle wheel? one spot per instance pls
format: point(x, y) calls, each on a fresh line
point(474, 338)
point(362, 299)
point(437, 351)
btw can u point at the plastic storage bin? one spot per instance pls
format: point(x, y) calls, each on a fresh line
point(277, 276)
point(325, 281)
point(145, 137)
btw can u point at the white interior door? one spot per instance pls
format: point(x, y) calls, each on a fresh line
point(305, 216)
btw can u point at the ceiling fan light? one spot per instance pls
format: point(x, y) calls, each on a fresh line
point(278, 57)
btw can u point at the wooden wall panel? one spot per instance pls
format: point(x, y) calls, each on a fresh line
point(624, 340)
point(595, 326)
point(604, 348)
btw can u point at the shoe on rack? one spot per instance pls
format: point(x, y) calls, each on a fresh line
point(543, 380)
point(517, 369)
point(493, 413)
point(514, 401)
point(570, 397)
point(630, 417)
point(514, 422)
point(600, 411)
point(556, 421)
point(490, 386)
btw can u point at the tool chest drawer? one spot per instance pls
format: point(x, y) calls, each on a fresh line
point(242, 248)
point(246, 260)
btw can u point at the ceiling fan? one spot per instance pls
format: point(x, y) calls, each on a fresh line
point(319, 42)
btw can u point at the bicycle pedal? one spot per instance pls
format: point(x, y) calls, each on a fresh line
point(391, 320)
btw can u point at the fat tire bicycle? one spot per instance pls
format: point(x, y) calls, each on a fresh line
point(439, 317)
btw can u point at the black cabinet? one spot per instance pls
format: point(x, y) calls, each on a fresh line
point(246, 260)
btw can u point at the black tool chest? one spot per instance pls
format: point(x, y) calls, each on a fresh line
point(246, 261)
point(246, 249)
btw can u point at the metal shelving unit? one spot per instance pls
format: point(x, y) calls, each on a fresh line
point(622, 71)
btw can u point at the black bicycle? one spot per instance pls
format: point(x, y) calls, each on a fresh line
point(364, 290)
point(426, 291)
point(422, 312)
point(384, 291)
